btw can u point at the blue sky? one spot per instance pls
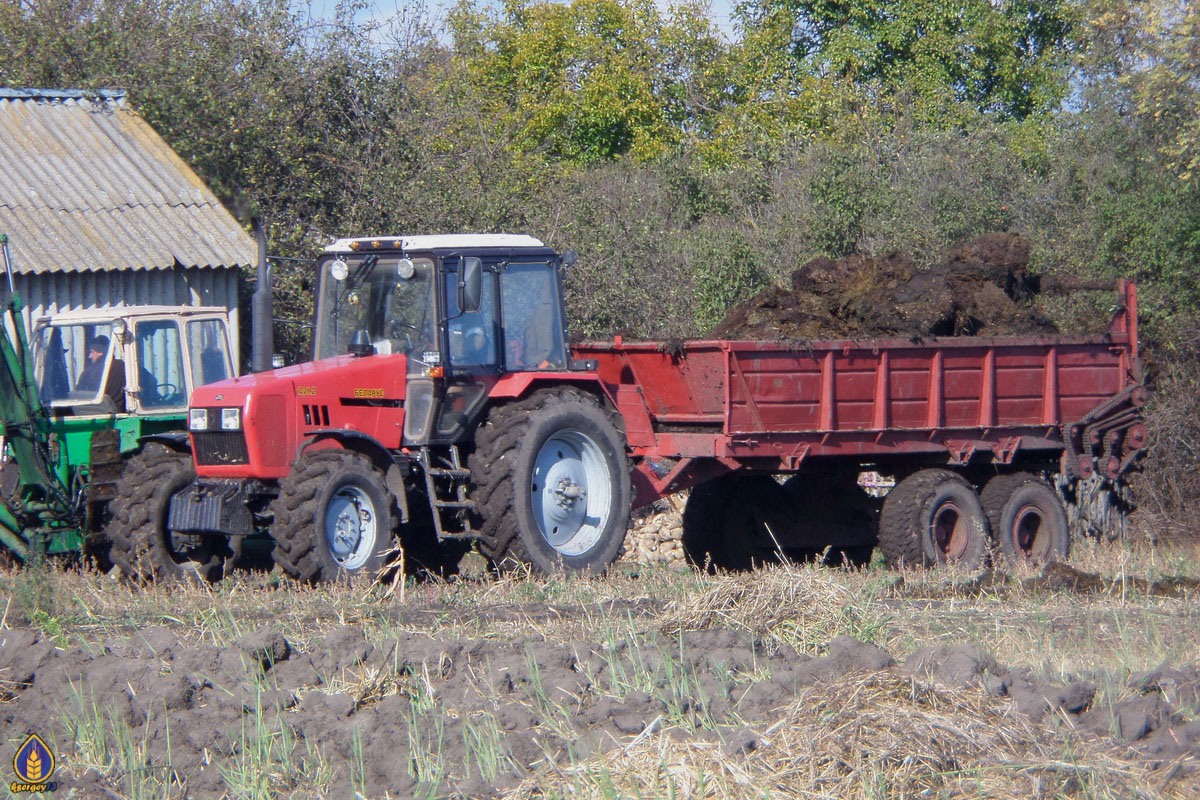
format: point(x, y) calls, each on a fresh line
point(721, 11)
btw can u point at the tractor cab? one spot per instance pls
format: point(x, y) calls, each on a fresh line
point(463, 310)
point(142, 361)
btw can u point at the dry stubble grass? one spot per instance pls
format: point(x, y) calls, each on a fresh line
point(865, 736)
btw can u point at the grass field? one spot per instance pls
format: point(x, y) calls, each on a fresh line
point(794, 681)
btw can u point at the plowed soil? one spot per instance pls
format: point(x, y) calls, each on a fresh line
point(423, 712)
point(980, 288)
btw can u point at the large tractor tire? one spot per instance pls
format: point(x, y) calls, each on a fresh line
point(1027, 518)
point(729, 522)
point(334, 518)
point(934, 517)
point(140, 544)
point(551, 483)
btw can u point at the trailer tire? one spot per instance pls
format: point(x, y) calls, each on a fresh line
point(725, 523)
point(141, 545)
point(1027, 518)
point(933, 517)
point(534, 461)
point(334, 518)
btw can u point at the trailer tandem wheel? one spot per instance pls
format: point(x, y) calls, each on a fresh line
point(932, 517)
point(551, 483)
point(1027, 518)
point(141, 545)
point(334, 517)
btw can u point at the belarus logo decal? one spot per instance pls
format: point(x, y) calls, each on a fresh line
point(33, 763)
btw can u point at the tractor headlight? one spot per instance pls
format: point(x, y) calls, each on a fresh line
point(231, 419)
point(198, 419)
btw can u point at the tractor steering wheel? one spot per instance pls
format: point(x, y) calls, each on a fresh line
point(167, 393)
point(396, 329)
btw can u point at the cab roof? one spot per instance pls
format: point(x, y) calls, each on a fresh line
point(453, 241)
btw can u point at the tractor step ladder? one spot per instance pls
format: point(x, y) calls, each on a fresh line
point(450, 472)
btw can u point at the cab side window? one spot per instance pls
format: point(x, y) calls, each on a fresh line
point(532, 318)
point(209, 351)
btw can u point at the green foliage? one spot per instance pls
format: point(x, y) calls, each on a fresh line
point(842, 190)
point(1004, 58)
point(590, 80)
point(1167, 91)
point(735, 274)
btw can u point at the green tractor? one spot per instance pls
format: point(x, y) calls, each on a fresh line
point(81, 394)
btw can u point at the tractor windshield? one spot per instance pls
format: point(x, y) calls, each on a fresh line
point(388, 298)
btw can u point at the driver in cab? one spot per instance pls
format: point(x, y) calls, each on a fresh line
point(93, 371)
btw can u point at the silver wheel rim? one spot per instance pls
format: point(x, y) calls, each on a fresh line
point(351, 526)
point(571, 492)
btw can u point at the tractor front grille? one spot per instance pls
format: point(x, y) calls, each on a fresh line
point(219, 448)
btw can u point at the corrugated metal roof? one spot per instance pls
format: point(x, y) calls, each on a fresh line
point(86, 184)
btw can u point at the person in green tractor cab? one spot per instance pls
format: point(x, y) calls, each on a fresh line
point(93, 372)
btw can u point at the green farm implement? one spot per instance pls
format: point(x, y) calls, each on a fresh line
point(80, 393)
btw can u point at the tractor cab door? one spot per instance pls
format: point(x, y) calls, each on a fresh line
point(173, 356)
point(161, 370)
point(517, 327)
point(532, 315)
point(473, 357)
point(208, 351)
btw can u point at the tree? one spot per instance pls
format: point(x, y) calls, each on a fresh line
point(591, 80)
point(1003, 58)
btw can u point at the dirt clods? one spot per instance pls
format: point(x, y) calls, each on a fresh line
point(404, 709)
point(980, 288)
point(1057, 577)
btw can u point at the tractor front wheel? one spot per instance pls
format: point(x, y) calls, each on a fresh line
point(141, 544)
point(334, 518)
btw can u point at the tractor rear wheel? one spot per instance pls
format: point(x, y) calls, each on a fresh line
point(1027, 518)
point(934, 517)
point(141, 544)
point(732, 522)
point(551, 483)
point(334, 517)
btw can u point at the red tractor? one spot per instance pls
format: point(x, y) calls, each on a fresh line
point(442, 401)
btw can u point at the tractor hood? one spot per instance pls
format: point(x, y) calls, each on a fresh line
point(281, 409)
point(375, 377)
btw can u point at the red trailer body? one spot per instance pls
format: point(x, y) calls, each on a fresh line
point(714, 406)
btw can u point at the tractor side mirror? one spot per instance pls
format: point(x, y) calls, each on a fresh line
point(470, 285)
